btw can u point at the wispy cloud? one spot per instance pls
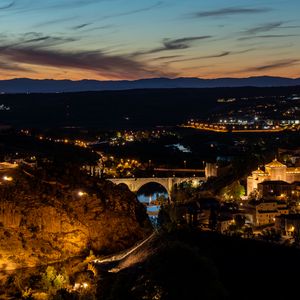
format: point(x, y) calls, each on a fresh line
point(80, 26)
point(11, 66)
point(174, 44)
point(218, 55)
point(264, 28)
point(182, 43)
point(230, 11)
point(166, 57)
point(274, 65)
point(132, 12)
point(113, 66)
point(55, 21)
point(7, 4)
point(36, 39)
point(266, 36)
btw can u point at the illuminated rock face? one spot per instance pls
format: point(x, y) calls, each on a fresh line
point(36, 231)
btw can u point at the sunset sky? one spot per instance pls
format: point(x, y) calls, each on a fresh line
point(131, 39)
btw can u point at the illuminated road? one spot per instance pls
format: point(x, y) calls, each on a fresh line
point(123, 255)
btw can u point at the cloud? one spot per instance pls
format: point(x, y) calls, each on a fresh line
point(114, 66)
point(55, 21)
point(102, 27)
point(166, 57)
point(46, 40)
point(266, 36)
point(274, 65)
point(12, 67)
point(222, 54)
point(131, 12)
point(229, 11)
point(182, 43)
point(80, 26)
point(7, 4)
point(174, 44)
point(37, 39)
point(264, 28)
point(218, 55)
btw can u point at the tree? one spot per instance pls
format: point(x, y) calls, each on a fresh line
point(271, 235)
point(233, 191)
point(52, 281)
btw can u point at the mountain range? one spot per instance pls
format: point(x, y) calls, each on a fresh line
point(26, 85)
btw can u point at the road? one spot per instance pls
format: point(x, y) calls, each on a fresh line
point(124, 254)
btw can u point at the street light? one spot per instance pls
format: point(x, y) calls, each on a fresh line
point(184, 162)
point(7, 178)
point(81, 193)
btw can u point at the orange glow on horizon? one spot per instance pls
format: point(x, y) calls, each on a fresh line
point(208, 72)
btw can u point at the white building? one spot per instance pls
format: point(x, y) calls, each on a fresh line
point(273, 171)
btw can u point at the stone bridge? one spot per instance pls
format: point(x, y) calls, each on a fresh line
point(134, 184)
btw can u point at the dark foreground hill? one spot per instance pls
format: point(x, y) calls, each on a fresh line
point(194, 265)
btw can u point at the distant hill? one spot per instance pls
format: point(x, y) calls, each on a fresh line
point(25, 85)
point(139, 108)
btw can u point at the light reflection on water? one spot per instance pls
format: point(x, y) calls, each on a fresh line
point(180, 147)
point(152, 207)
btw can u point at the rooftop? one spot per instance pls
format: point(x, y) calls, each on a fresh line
point(275, 164)
point(274, 182)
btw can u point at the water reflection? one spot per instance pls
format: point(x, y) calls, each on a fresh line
point(153, 195)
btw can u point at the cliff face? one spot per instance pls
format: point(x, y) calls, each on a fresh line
point(42, 223)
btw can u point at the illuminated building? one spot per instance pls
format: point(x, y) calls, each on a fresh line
point(288, 225)
point(274, 171)
point(265, 212)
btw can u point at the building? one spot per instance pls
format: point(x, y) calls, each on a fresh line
point(274, 171)
point(216, 169)
point(224, 223)
point(276, 189)
point(265, 211)
point(288, 225)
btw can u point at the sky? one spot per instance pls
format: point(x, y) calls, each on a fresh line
point(133, 39)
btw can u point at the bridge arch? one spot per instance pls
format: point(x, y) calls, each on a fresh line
point(123, 184)
point(154, 184)
point(134, 184)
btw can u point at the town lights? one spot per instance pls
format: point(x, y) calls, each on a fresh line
point(85, 285)
point(195, 183)
point(78, 286)
point(81, 193)
point(7, 178)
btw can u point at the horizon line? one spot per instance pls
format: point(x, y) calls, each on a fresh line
point(150, 78)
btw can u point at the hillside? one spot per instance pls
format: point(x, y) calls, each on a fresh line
point(26, 85)
point(45, 219)
point(186, 264)
point(123, 109)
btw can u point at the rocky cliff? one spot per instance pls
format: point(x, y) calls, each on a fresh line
point(42, 222)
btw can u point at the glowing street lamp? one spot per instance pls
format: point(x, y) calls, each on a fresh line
point(81, 193)
point(85, 285)
point(7, 178)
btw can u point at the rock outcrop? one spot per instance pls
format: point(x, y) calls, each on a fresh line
point(42, 223)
